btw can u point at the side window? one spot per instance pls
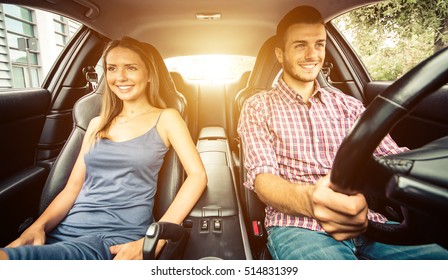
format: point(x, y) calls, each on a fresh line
point(30, 42)
point(395, 35)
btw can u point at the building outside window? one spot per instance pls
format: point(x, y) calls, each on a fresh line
point(30, 42)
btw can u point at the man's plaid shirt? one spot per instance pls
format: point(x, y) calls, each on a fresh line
point(284, 136)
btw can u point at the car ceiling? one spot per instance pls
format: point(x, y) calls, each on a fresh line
point(172, 27)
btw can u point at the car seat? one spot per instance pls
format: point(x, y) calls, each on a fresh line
point(262, 77)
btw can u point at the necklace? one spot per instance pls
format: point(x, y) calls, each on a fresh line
point(124, 121)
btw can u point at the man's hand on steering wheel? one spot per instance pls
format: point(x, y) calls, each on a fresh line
point(340, 215)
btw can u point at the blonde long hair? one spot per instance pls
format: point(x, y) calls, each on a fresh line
point(111, 104)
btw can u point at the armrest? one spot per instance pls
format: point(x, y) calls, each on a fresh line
point(176, 235)
point(212, 133)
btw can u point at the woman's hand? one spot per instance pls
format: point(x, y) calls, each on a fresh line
point(132, 250)
point(128, 251)
point(31, 236)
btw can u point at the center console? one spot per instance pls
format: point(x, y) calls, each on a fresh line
point(216, 224)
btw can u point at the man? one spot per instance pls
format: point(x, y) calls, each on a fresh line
point(290, 137)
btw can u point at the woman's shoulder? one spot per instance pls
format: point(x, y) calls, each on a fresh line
point(94, 123)
point(169, 114)
point(170, 120)
point(169, 124)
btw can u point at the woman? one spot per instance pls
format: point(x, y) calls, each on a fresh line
point(106, 205)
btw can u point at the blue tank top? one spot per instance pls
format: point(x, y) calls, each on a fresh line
point(117, 197)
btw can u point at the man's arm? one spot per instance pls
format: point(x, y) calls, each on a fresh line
point(256, 140)
point(340, 215)
point(284, 196)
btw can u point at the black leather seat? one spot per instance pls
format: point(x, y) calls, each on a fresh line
point(264, 75)
point(171, 174)
point(190, 91)
point(233, 115)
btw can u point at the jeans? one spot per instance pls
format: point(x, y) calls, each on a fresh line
point(291, 243)
point(81, 248)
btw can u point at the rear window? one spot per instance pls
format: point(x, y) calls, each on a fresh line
point(210, 67)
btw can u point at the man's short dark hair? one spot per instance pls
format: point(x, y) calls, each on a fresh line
point(300, 14)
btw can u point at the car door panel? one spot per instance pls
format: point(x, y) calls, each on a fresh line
point(34, 125)
point(19, 199)
point(22, 117)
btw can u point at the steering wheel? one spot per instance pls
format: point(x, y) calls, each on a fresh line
point(424, 204)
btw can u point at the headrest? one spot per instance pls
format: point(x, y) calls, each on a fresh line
point(263, 74)
point(177, 78)
point(168, 91)
point(266, 67)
